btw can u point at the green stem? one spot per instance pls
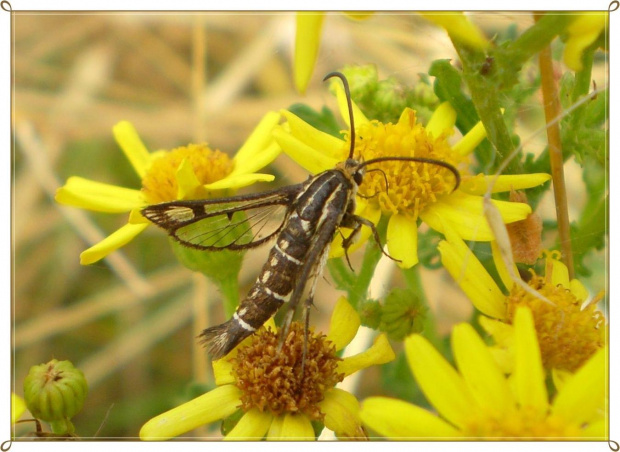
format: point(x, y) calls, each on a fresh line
point(341, 273)
point(359, 289)
point(485, 96)
point(229, 287)
point(537, 37)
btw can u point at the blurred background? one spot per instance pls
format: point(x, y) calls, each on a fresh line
point(129, 322)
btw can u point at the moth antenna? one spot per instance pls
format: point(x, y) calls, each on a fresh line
point(347, 93)
point(448, 166)
point(384, 177)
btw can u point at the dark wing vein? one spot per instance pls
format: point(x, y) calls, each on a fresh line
point(225, 223)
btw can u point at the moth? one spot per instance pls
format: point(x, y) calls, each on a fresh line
point(309, 215)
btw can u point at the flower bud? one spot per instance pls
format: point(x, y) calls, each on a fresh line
point(403, 314)
point(55, 392)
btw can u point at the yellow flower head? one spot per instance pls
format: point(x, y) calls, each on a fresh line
point(189, 172)
point(265, 385)
point(414, 190)
point(478, 401)
point(569, 332)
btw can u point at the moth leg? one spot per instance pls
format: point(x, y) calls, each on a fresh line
point(359, 222)
point(306, 317)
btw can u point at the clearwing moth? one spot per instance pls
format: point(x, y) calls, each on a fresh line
point(309, 215)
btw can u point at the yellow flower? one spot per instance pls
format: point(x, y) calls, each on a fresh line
point(569, 332)
point(265, 385)
point(18, 407)
point(189, 172)
point(479, 402)
point(310, 24)
point(582, 33)
point(415, 190)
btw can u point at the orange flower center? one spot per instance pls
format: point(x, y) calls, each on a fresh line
point(568, 335)
point(272, 380)
point(411, 186)
point(160, 182)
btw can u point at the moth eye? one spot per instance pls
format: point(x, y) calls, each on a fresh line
point(358, 177)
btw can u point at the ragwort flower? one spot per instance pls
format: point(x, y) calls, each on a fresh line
point(569, 332)
point(189, 172)
point(415, 190)
point(265, 384)
point(479, 402)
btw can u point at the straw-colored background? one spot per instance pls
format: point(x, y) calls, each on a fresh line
point(129, 321)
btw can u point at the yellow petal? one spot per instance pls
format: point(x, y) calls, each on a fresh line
point(396, 419)
point(560, 377)
point(443, 387)
point(136, 217)
point(187, 181)
point(479, 185)
point(344, 324)
point(442, 121)
point(471, 139)
point(18, 407)
point(322, 142)
point(306, 156)
point(97, 196)
point(583, 31)
point(341, 411)
point(529, 375)
point(118, 238)
point(212, 406)
point(402, 240)
point(307, 42)
point(503, 333)
point(501, 268)
point(257, 161)
point(464, 214)
point(252, 426)
point(559, 273)
point(343, 107)
point(483, 377)
point(222, 371)
point(471, 276)
point(582, 397)
point(459, 28)
point(240, 181)
point(291, 427)
point(379, 353)
point(128, 139)
point(596, 431)
point(368, 211)
point(578, 290)
point(254, 147)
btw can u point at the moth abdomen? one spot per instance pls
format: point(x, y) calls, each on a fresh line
point(219, 340)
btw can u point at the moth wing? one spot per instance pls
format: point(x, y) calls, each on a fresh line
point(234, 223)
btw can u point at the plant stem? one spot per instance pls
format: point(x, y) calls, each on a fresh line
point(359, 289)
point(229, 287)
point(552, 111)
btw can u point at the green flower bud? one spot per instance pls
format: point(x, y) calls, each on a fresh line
point(403, 314)
point(362, 82)
point(55, 392)
point(370, 314)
